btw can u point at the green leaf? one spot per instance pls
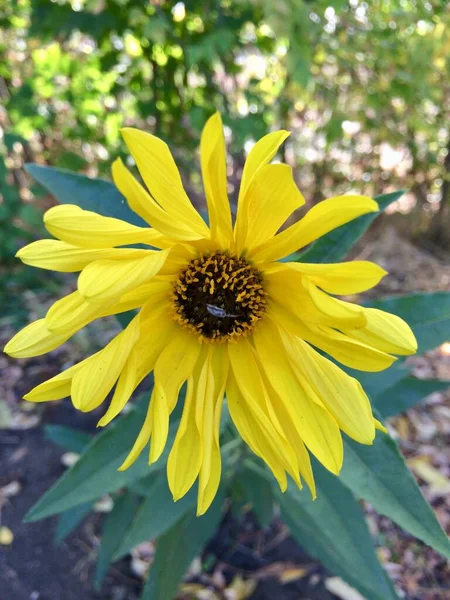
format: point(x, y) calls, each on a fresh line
point(177, 548)
point(95, 473)
point(70, 520)
point(157, 514)
point(428, 314)
point(375, 384)
point(115, 527)
point(97, 195)
point(333, 246)
point(332, 528)
point(257, 490)
point(406, 393)
point(73, 440)
point(143, 486)
point(379, 475)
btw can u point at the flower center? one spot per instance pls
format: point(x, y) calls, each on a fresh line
point(219, 297)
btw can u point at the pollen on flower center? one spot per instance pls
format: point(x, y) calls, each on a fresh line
point(219, 297)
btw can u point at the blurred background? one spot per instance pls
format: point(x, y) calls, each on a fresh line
point(364, 87)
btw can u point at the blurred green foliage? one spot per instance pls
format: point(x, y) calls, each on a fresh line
point(363, 86)
point(20, 223)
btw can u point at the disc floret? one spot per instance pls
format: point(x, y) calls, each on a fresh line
point(219, 297)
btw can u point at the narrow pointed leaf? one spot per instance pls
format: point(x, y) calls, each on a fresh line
point(375, 384)
point(379, 475)
point(157, 513)
point(70, 520)
point(332, 528)
point(96, 472)
point(406, 393)
point(115, 527)
point(257, 491)
point(178, 547)
point(73, 440)
point(97, 195)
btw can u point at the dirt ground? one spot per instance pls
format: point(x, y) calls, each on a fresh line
point(247, 562)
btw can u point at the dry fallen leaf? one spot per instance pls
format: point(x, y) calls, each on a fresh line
point(240, 589)
point(104, 505)
point(5, 415)
point(343, 590)
point(6, 536)
point(439, 484)
point(289, 575)
point(10, 489)
point(68, 459)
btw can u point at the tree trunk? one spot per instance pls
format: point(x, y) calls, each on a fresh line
point(439, 231)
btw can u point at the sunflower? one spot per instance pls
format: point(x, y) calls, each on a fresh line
point(218, 312)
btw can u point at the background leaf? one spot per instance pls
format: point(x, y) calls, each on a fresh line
point(332, 529)
point(177, 548)
point(73, 440)
point(405, 393)
point(379, 475)
point(69, 520)
point(114, 529)
point(95, 473)
point(98, 195)
point(256, 490)
point(157, 513)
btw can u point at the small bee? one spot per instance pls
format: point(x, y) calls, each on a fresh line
point(217, 311)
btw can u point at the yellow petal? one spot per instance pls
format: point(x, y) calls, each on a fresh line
point(261, 153)
point(293, 436)
point(59, 256)
point(56, 388)
point(161, 176)
point(105, 280)
point(340, 314)
point(125, 387)
point(157, 329)
point(71, 313)
point(337, 278)
point(385, 332)
point(350, 352)
point(173, 367)
point(34, 340)
point(379, 426)
point(185, 458)
point(273, 197)
point(246, 372)
point(156, 288)
point(145, 206)
point(341, 347)
point(256, 430)
point(87, 229)
point(299, 295)
point(214, 162)
point(209, 427)
point(303, 459)
point(141, 441)
point(95, 380)
point(341, 394)
point(316, 426)
point(318, 221)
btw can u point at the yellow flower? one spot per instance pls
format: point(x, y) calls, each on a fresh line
point(218, 312)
